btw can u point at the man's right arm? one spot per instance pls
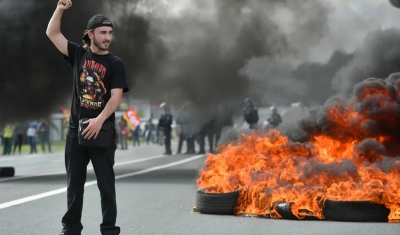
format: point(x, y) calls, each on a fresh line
point(54, 27)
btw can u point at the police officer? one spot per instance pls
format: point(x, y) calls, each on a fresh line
point(250, 113)
point(165, 123)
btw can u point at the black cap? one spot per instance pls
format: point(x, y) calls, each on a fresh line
point(97, 21)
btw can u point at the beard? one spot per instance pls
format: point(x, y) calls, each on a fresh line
point(98, 44)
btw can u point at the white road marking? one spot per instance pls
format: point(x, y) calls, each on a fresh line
point(27, 156)
point(89, 168)
point(62, 190)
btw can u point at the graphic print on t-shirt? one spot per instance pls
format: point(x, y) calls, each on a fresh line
point(92, 88)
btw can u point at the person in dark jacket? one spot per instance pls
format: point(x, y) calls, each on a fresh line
point(250, 114)
point(165, 123)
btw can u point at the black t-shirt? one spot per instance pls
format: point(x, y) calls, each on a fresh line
point(94, 77)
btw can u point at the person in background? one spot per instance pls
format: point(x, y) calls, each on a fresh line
point(250, 113)
point(31, 133)
point(192, 127)
point(181, 121)
point(148, 132)
point(207, 130)
point(158, 134)
point(7, 138)
point(275, 119)
point(224, 119)
point(165, 123)
point(123, 128)
point(18, 137)
point(136, 136)
point(44, 135)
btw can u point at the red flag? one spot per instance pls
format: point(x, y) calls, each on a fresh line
point(132, 118)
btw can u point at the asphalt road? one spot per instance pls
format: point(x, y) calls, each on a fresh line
point(155, 195)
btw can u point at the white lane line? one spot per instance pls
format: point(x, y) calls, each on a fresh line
point(62, 190)
point(160, 167)
point(27, 156)
point(89, 168)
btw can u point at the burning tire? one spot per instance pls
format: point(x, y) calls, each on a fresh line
point(283, 208)
point(216, 203)
point(355, 211)
point(7, 171)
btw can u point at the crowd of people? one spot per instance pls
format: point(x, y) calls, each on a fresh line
point(196, 126)
point(14, 135)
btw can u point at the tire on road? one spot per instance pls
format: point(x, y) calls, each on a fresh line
point(355, 211)
point(283, 208)
point(7, 171)
point(216, 203)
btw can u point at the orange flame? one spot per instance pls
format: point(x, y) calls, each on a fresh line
point(270, 168)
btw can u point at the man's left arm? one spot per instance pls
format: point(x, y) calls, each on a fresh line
point(95, 124)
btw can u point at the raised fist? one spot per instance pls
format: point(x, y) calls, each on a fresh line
point(64, 4)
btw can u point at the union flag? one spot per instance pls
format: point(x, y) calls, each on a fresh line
point(132, 118)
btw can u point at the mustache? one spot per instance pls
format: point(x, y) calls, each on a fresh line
point(107, 41)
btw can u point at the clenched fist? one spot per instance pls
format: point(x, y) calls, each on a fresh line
point(64, 4)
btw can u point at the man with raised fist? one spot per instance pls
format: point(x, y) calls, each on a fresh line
point(99, 81)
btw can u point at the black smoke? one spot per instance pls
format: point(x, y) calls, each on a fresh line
point(202, 56)
point(173, 59)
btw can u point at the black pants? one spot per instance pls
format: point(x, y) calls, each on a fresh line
point(45, 139)
point(18, 143)
point(123, 141)
point(209, 132)
point(136, 140)
point(7, 146)
point(167, 140)
point(190, 144)
point(182, 138)
point(76, 160)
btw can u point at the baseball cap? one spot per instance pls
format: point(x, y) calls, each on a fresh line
point(97, 21)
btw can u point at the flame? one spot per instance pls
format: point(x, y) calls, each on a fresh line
point(269, 168)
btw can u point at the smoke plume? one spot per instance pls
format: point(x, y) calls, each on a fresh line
point(201, 51)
